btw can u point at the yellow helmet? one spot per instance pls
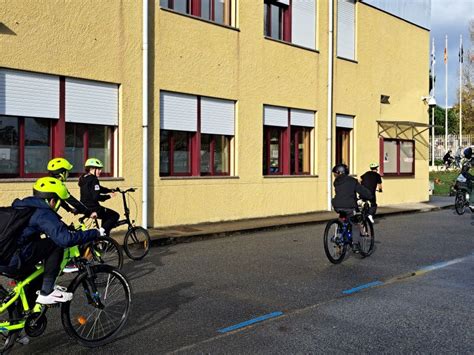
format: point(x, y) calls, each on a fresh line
point(59, 168)
point(93, 163)
point(49, 187)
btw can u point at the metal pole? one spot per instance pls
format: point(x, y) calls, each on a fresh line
point(433, 109)
point(446, 97)
point(460, 91)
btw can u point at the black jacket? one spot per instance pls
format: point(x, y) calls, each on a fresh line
point(92, 193)
point(73, 205)
point(346, 188)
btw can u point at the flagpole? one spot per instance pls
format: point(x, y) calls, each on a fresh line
point(460, 90)
point(432, 108)
point(446, 97)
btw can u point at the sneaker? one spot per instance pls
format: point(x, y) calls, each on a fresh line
point(59, 295)
point(23, 340)
point(471, 208)
point(70, 268)
point(370, 218)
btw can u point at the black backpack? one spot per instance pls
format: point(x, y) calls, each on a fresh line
point(12, 223)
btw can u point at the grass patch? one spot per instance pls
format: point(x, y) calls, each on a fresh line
point(443, 181)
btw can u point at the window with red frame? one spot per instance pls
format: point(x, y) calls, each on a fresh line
point(273, 143)
point(25, 146)
point(277, 19)
point(218, 11)
point(397, 157)
point(89, 141)
point(175, 153)
point(300, 163)
point(215, 154)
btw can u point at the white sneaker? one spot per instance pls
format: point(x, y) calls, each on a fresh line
point(59, 295)
point(70, 268)
point(371, 218)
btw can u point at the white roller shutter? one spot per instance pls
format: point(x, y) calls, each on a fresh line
point(29, 94)
point(303, 23)
point(217, 116)
point(344, 121)
point(346, 29)
point(91, 102)
point(303, 118)
point(275, 116)
point(178, 111)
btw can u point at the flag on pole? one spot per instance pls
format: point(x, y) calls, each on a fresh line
point(433, 57)
point(461, 53)
point(445, 55)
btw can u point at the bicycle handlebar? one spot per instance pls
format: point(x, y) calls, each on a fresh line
point(117, 189)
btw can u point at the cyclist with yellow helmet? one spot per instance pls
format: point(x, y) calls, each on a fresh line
point(59, 168)
point(92, 193)
point(45, 237)
point(372, 181)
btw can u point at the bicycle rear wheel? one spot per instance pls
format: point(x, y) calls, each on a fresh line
point(106, 250)
point(367, 238)
point(136, 243)
point(334, 245)
point(8, 338)
point(460, 203)
point(98, 310)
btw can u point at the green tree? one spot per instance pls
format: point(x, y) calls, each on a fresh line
point(453, 122)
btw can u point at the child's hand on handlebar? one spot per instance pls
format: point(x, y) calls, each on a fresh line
point(102, 232)
point(93, 215)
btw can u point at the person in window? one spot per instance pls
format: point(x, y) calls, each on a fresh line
point(48, 193)
point(92, 193)
point(373, 182)
point(59, 168)
point(448, 159)
point(346, 189)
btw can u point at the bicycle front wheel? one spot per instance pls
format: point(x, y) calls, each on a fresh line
point(460, 203)
point(367, 238)
point(98, 310)
point(334, 245)
point(136, 243)
point(8, 338)
point(106, 250)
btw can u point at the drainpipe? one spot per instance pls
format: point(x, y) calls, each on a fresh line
point(330, 98)
point(145, 115)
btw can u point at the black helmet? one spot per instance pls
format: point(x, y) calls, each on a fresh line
point(341, 169)
point(468, 153)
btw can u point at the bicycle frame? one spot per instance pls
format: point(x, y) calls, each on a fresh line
point(19, 292)
point(126, 213)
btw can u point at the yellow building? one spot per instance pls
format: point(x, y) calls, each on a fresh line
point(247, 109)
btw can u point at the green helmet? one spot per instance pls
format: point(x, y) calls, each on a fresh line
point(373, 165)
point(93, 163)
point(49, 187)
point(59, 168)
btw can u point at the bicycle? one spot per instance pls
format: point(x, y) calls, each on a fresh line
point(94, 317)
point(338, 234)
point(136, 243)
point(103, 250)
point(461, 201)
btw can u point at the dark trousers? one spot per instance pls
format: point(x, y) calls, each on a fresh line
point(109, 218)
point(41, 250)
point(373, 205)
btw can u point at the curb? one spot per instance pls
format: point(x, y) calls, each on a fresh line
point(223, 234)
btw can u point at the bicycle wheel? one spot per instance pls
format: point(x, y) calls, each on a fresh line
point(105, 250)
point(98, 310)
point(366, 230)
point(460, 203)
point(8, 338)
point(334, 245)
point(136, 243)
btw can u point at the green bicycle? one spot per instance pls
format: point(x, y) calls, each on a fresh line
point(94, 317)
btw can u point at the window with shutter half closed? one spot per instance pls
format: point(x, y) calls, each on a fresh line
point(346, 29)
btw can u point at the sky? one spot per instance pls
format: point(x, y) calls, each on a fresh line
point(451, 18)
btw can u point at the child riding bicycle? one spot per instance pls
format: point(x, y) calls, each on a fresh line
point(92, 193)
point(45, 237)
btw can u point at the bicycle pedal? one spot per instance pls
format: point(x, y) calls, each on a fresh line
point(54, 305)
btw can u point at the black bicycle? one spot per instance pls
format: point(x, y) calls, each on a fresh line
point(338, 234)
point(461, 201)
point(136, 243)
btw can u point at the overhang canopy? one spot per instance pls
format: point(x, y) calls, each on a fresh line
point(394, 129)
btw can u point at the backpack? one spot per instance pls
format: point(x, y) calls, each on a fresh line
point(12, 223)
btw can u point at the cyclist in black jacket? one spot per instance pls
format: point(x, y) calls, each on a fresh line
point(92, 193)
point(346, 189)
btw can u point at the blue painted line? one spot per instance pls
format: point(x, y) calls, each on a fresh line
point(362, 287)
point(251, 321)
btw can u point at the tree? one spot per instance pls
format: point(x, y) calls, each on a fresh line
point(453, 120)
point(467, 96)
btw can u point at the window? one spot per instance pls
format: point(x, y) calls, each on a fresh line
point(287, 141)
point(344, 127)
point(293, 21)
point(25, 146)
point(397, 157)
point(346, 29)
point(196, 135)
point(213, 10)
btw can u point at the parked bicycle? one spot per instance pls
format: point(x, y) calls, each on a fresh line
point(136, 243)
point(338, 234)
point(94, 317)
point(461, 201)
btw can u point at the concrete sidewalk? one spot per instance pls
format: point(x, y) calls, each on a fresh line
point(255, 224)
